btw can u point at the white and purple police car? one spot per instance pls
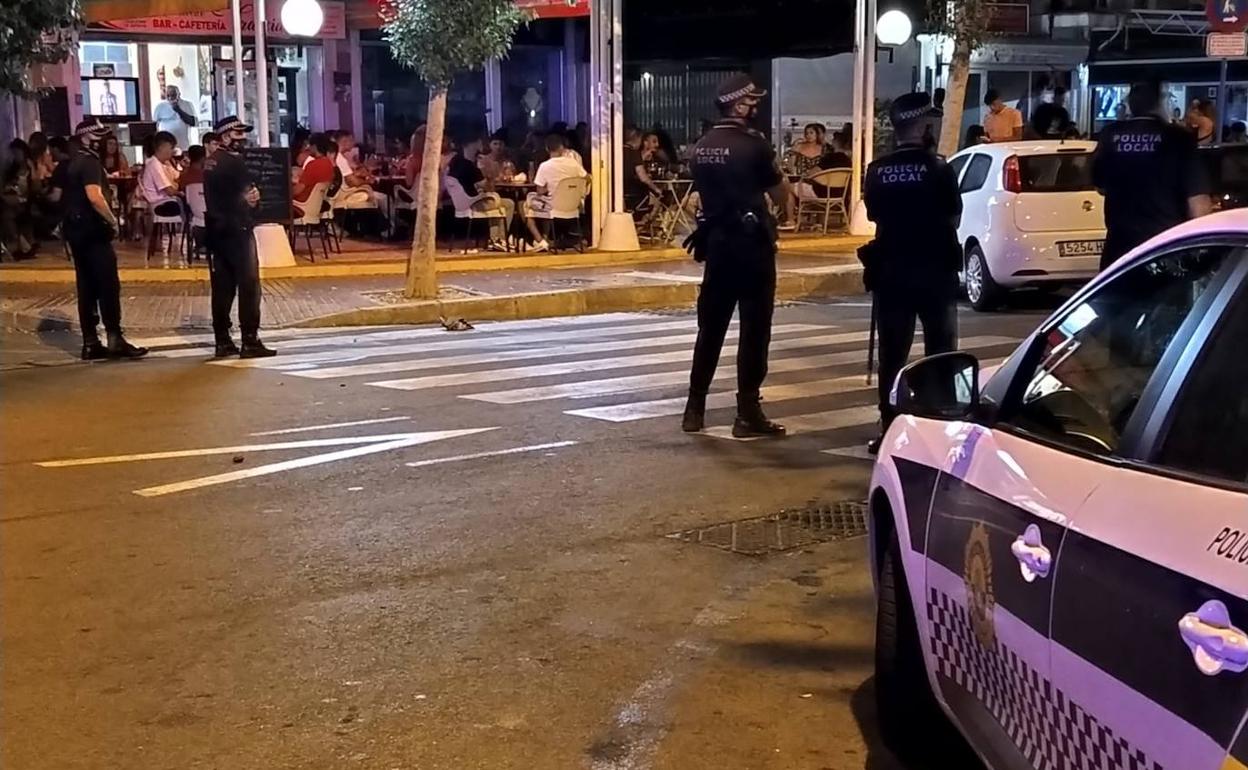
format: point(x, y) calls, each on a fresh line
point(1061, 550)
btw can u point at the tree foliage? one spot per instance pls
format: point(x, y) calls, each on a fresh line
point(440, 38)
point(34, 32)
point(966, 21)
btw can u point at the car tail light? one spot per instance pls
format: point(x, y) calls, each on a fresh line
point(1012, 177)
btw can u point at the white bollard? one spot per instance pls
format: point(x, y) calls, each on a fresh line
point(273, 247)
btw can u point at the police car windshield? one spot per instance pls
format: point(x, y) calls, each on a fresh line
point(1061, 172)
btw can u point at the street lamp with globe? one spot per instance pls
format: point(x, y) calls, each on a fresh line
point(893, 28)
point(302, 18)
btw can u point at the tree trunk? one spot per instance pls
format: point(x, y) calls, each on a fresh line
point(955, 99)
point(422, 270)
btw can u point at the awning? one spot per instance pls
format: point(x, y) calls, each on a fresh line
point(111, 10)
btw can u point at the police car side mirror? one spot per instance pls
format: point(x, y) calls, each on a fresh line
point(940, 387)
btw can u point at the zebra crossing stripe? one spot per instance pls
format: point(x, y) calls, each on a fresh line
point(499, 356)
point(817, 422)
point(592, 365)
point(670, 407)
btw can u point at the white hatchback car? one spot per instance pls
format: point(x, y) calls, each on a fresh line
point(1030, 217)
point(1061, 556)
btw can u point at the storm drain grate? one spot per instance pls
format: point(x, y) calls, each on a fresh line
point(783, 531)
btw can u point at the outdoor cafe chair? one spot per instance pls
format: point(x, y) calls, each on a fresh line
point(566, 206)
point(313, 219)
point(466, 207)
point(820, 209)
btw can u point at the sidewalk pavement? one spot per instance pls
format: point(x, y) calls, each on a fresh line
point(378, 299)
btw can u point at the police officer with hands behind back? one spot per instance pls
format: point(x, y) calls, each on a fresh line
point(733, 166)
point(1150, 173)
point(911, 268)
point(231, 197)
point(90, 228)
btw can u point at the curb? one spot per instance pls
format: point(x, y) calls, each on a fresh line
point(843, 281)
point(452, 263)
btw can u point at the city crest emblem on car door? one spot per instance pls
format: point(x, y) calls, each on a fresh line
point(977, 573)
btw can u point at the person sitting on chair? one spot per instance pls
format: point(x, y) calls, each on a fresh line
point(464, 169)
point(159, 184)
point(559, 167)
point(318, 169)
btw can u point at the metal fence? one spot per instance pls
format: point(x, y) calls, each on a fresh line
point(676, 99)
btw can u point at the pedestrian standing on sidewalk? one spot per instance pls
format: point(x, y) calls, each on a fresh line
point(1150, 173)
point(733, 167)
point(231, 197)
point(911, 267)
point(90, 227)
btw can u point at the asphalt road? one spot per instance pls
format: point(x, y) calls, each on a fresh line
point(409, 548)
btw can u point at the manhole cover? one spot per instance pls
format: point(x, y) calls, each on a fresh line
point(783, 531)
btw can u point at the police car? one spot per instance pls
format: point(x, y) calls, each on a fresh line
point(1060, 547)
point(1031, 217)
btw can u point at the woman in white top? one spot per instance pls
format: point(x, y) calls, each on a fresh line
point(159, 183)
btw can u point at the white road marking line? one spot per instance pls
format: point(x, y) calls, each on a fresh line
point(225, 450)
point(327, 426)
point(176, 340)
point(849, 417)
point(672, 277)
point(412, 439)
point(495, 453)
point(589, 365)
point(668, 407)
point(857, 452)
point(822, 269)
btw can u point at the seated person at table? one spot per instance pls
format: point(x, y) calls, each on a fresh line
point(356, 191)
point(637, 180)
point(114, 160)
point(463, 170)
point(194, 171)
point(319, 169)
point(158, 184)
point(17, 237)
point(558, 167)
point(834, 156)
point(657, 162)
point(806, 153)
point(497, 163)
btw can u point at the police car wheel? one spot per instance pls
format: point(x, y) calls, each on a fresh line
point(911, 722)
point(981, 290)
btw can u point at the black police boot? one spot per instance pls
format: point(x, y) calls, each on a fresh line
point(752, 423)
point(225, 348)
point(93, 350)
point(695, 413)
point(119, 347)
point(254, 348)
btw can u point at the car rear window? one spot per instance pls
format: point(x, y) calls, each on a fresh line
point(1061, 172)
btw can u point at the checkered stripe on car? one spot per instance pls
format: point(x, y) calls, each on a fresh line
point(1051, 731)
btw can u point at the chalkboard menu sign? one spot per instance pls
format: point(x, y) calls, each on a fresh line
point(270, 170)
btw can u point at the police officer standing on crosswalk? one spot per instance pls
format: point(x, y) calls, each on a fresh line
point(231, 197)
point(90, 227)
point(911, 267)
point(733, 166)
point(1150, 173)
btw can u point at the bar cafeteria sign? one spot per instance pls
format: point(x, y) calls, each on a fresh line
point(221, 24)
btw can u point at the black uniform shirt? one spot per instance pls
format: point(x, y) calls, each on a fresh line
point(733, 166)
point(1147, 169)
point(912, 196)
point(82, 169)
point(226, 180)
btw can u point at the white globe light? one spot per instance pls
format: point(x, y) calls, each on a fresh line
point(302, 18)
point(893, 28)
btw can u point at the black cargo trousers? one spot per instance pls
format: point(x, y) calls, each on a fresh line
point(235, 272)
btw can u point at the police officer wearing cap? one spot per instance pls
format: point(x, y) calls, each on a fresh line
point(733, 167)
point(231, 197)
point(911, 267)
point(1150, 173)
point(90, 227)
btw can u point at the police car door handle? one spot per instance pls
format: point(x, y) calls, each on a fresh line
point(1216, 644)
point(1034, 560)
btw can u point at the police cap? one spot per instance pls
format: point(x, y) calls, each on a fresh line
point(91, 129)
point(908, 108)
point(230, 123)
point(738, 87)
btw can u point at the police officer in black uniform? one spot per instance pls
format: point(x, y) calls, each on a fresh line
point(231, 197)
point(1150, 173)
point(911, 267)
point(89, 228)
point(733, 167)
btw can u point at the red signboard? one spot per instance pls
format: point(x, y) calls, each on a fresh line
point(555, 9)
point(1008, 18)
point(1227, 15)
point(221, 23)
